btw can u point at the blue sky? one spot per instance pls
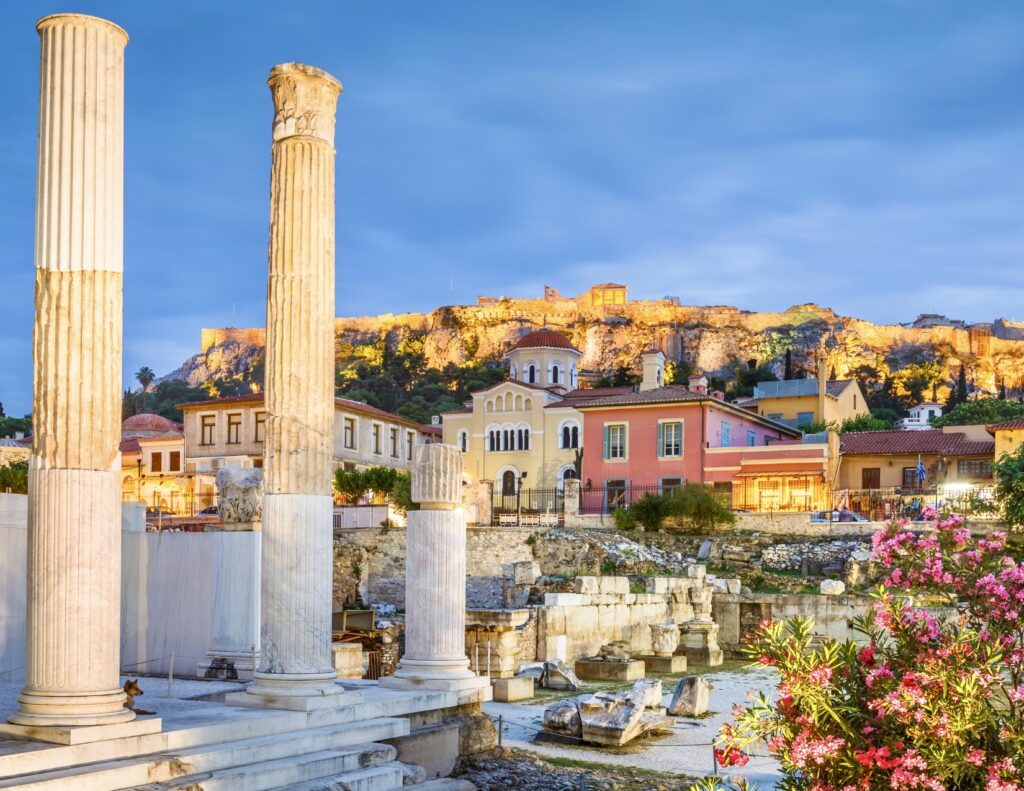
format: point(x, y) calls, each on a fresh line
point(868, 156)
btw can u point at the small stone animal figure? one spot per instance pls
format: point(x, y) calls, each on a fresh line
point(131, 689)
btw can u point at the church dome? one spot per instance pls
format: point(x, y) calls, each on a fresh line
point(147, 424)
point(544, 338)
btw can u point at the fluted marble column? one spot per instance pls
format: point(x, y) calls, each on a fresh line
point(74, 522)
point(297, 571)
point(435, 579)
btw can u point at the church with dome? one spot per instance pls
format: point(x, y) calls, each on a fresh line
point(526, 432)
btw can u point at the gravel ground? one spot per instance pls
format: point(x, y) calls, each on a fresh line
point(684, 751)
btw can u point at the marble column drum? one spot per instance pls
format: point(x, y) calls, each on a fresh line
point(435, 579)
point(295, 608)
point(74, 526)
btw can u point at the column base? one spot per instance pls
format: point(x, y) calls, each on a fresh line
point(80, 734)
point(62, 709)
point(444, 676)
point(228, 666)
point(294, 692)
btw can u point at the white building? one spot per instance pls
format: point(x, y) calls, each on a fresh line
point(919, 417)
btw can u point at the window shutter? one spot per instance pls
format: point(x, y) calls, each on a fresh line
point(661, 439)
point(606, 428)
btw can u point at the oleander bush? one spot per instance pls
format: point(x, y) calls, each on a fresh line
point(932, 699)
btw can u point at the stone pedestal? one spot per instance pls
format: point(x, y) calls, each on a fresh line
point(295, 664)
point(435, 580)
point(348, 660)
point(663, 664)
point(601, 670)
point(234, 645)
point(699, 643)
point(74, 514)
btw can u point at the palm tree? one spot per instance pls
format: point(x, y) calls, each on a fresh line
point(145, 376)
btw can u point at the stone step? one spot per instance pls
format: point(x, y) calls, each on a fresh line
point(211, 723)
point(163, 767)
point(330, 766)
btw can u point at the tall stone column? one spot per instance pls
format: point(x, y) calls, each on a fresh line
point(295, 663)
point(435, 581)
point(74, 521)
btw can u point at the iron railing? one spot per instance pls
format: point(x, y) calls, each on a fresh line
point(605, 499)
point(882, 505)
point(528, 507)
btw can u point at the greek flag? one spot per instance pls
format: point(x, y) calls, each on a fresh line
point(920, 470)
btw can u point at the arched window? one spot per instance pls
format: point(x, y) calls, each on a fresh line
point(572, 376)
point(556, 372)
point(508, 483)
point(507, 444)
point(519, 440)
point(568, 474)
point(531, 374)
point(514, 373)
point(566, 436)
point(490, 440)
point(463, 440)
point(575, 441)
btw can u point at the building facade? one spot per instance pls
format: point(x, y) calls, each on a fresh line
point(920, 417)
point(1008, 436)
point(153, 464)
point(231, 432)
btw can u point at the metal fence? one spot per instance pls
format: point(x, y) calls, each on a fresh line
point(605, 499)
point(881, 505)
point(528, 507)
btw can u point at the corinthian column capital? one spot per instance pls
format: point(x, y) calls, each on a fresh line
point(305, 100)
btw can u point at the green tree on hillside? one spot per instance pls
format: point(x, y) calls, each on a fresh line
point(980, 412)
point(864, 423)
point(1009, 492)
point(145, 376)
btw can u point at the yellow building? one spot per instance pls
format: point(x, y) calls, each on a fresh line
point(1009, 436)
point(526, 429)
point(888, 459)
point(797, 402)
point(152, 464)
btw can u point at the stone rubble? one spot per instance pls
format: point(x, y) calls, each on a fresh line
point(691, 697)
point(610, 718)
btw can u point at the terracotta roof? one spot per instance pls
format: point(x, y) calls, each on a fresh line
point(1006, 425)
point(544, 338)
point(254, 398)
point(933, 441)
point(591, 393)
point(147, 424)
point(745, 402)
point(430, 428)
point(129, 446)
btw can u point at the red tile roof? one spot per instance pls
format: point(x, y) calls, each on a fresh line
point(129, 446)
point(1006, 425)
point(544, 338)
point(933, 441)
point(590, 394)
point(430, 428)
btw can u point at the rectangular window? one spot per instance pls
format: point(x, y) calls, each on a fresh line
point(726, 435)
point(350, 433)
point(234, 428)
point(871, 478)
point(804, 418)
point(156, 462)
point(410, 441)
point(751, 438)
point(377, 448)
point(207, 424)
point(974, 468)
point(669, 485)
point(261, 427)
point(393, 438)
point(174, 463)
point(910, 478)
point(615, 491)
point(615, 441)
point(671, 444)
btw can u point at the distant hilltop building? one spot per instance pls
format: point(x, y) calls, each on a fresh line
point(599, 297)
point(216, 336)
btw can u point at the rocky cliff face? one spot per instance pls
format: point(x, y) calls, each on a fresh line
point(712, 338)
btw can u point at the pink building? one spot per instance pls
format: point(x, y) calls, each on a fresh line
point(664, 436)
